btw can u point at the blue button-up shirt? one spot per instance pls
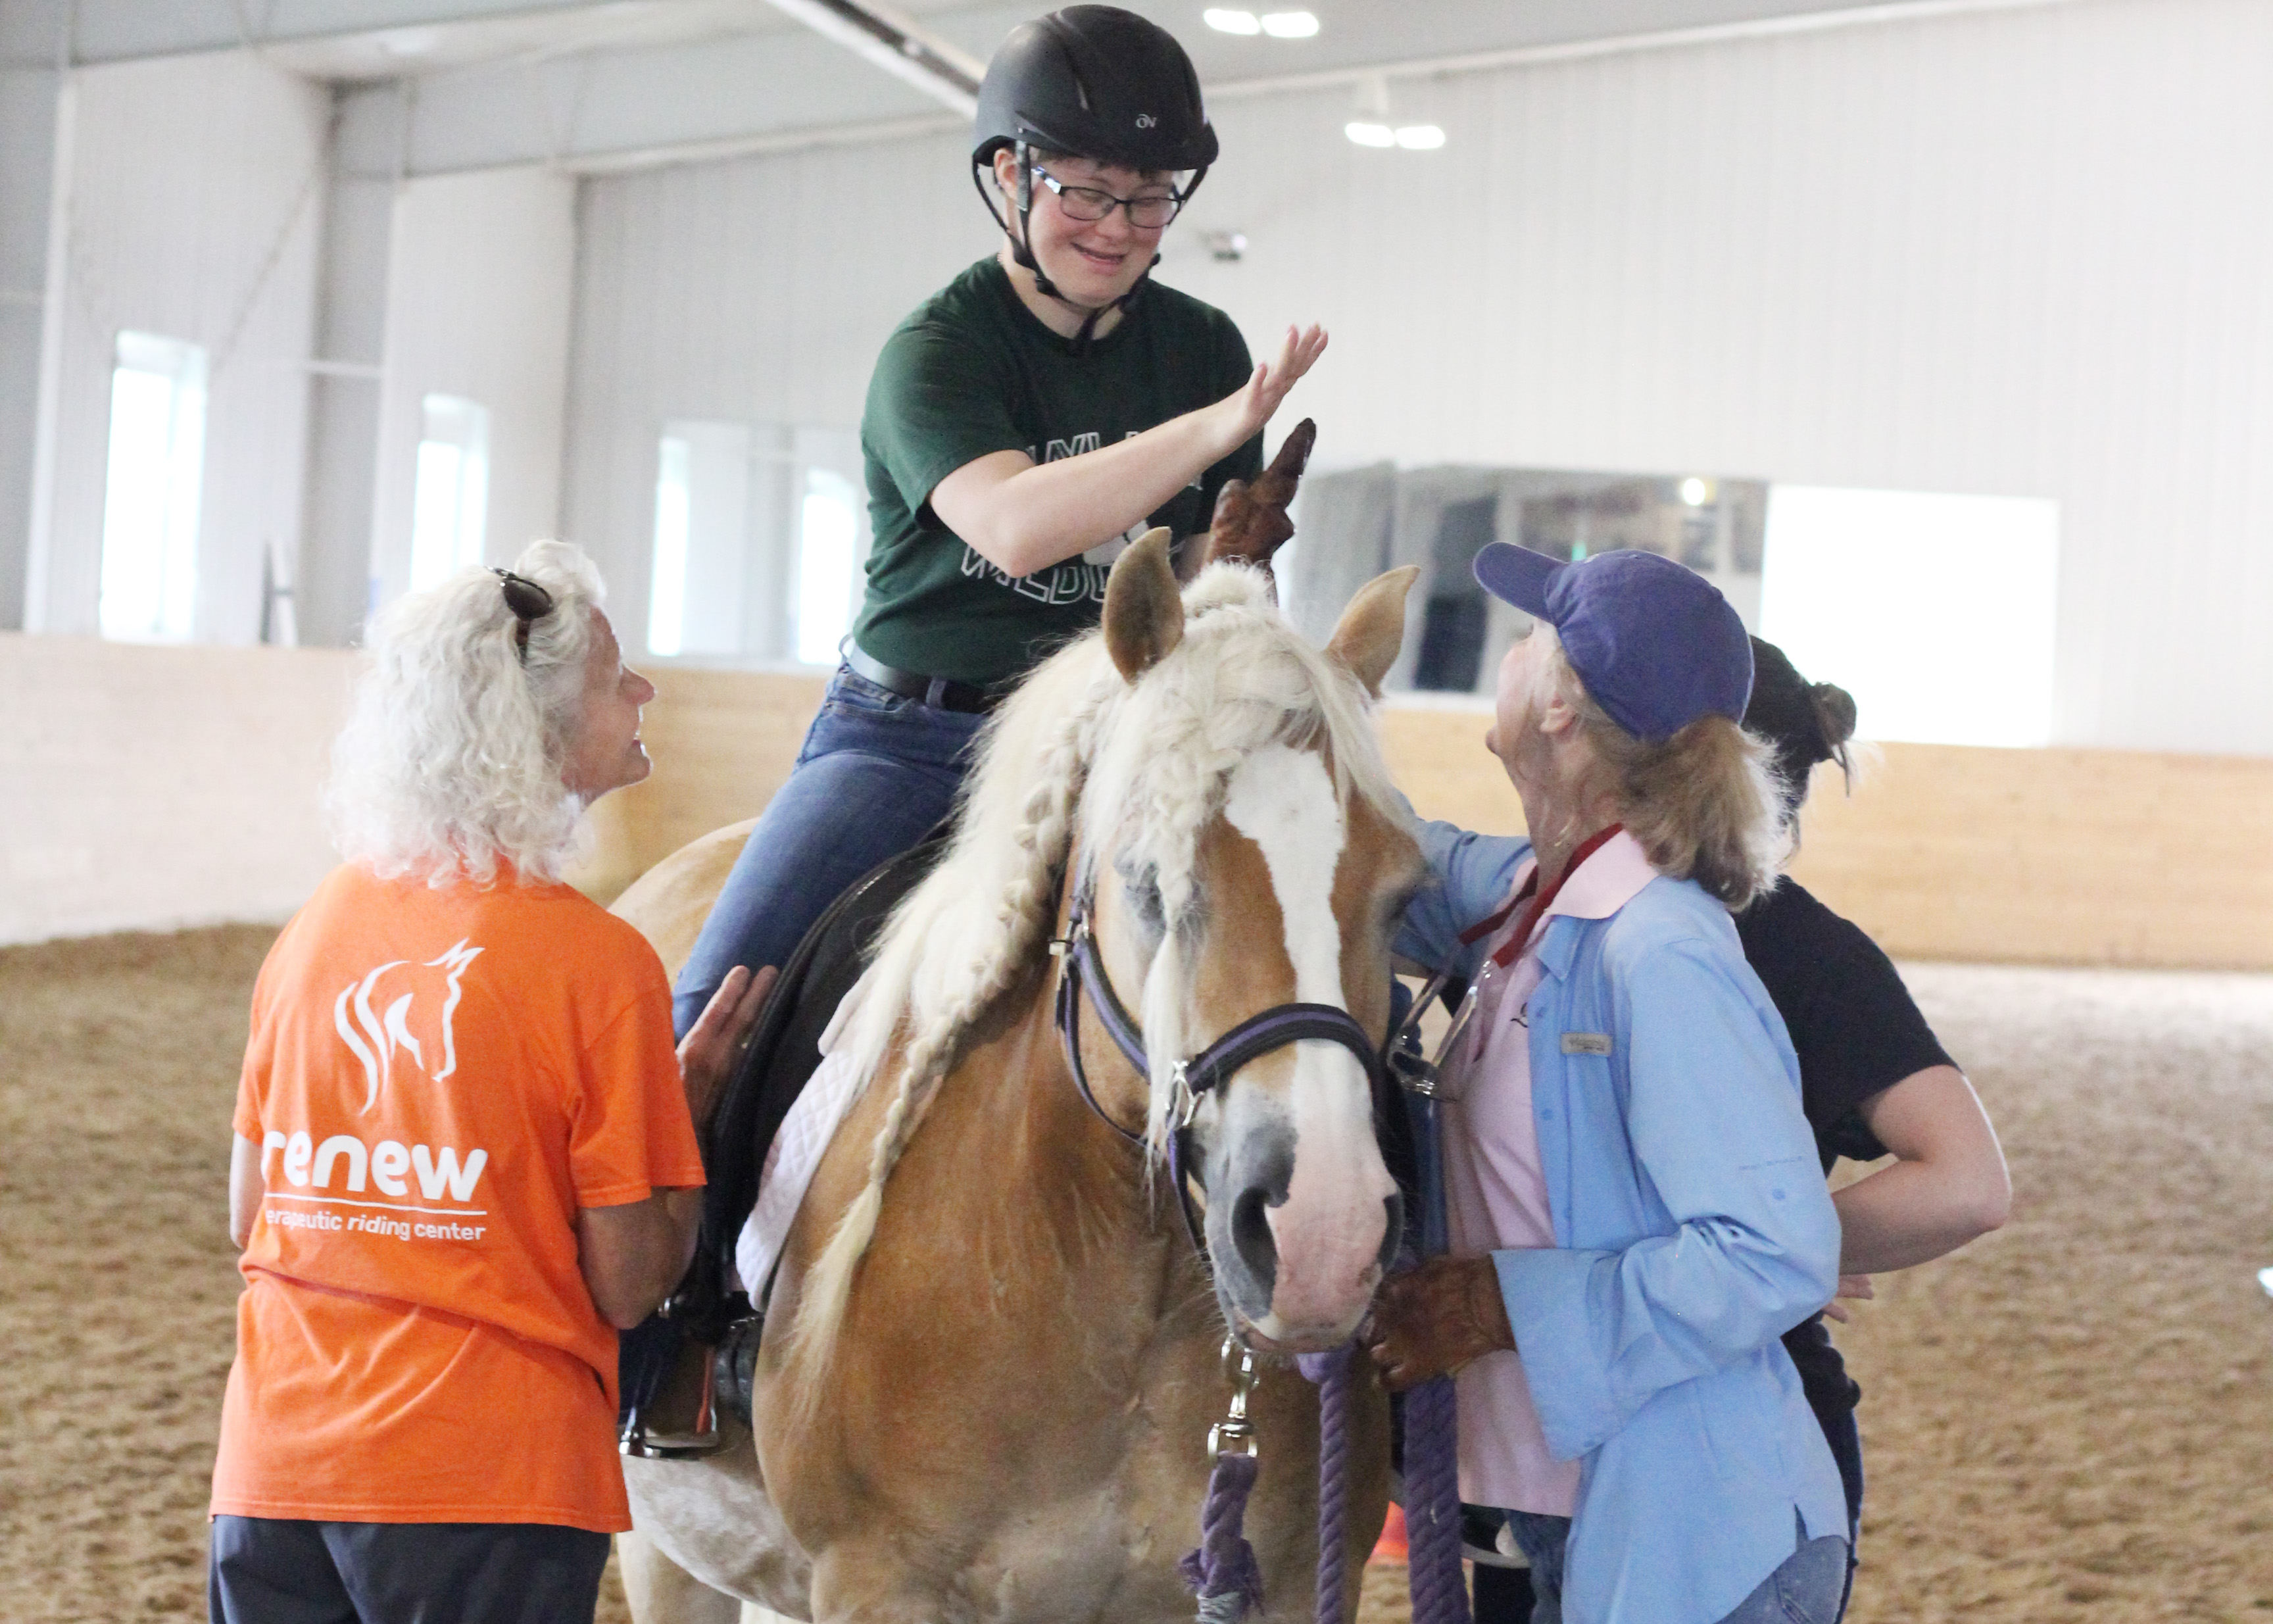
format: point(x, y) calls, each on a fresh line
point(1692, 1228)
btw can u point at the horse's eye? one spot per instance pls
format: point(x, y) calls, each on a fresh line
point(1143, 891)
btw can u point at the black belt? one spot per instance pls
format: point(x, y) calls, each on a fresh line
point(940, 693)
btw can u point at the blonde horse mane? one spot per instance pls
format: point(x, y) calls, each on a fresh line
point(1138, 770)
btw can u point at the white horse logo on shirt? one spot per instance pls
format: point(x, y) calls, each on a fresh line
point(381, 1034)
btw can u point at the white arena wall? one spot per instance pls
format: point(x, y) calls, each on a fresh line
point(2013, 252)
point(477, 298)
point(189, 200)
point(152, 789)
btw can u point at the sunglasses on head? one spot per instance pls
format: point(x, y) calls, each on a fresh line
point(527, 601)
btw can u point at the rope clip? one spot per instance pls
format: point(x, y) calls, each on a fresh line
point(1234, 1434)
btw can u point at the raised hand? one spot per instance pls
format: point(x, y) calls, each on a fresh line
point(1251, 521)
point(1244, 412)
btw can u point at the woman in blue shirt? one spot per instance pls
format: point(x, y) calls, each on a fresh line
point(1633, 1238)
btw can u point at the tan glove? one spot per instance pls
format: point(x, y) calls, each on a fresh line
point(1431, 1321)
point(1250, 520)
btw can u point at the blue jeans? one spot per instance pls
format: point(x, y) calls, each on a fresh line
point(1810, 1588)
point(876, 774)
point(1846, 1441)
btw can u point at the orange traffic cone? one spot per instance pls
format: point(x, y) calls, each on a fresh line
point(1390, 1548)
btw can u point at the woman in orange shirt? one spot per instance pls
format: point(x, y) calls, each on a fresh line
point(465, 1149)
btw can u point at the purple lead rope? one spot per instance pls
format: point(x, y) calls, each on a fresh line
point(1331, 1371)
point(1223, 1572)
point(1432, 1504)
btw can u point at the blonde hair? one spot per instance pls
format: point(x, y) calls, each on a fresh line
point(450, 761)
point(1705, 804)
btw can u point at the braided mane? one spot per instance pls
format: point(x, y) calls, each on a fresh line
point(1138, 770)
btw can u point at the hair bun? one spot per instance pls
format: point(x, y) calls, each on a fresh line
point(1835, 713)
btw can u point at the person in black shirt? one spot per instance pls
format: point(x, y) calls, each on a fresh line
point(1874, 1080)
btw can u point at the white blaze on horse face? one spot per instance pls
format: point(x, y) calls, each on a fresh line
point(1328, 1232)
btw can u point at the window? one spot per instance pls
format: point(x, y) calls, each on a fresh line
point(827, 560)
point(699, 577)
point(152, 488)
point(1455, 615)
point(1936, 613)
point(450, 506)
point(759, 534)
point(666, 603)
point(1355, 523)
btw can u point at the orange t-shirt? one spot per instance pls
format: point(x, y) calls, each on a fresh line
point(439, 1079)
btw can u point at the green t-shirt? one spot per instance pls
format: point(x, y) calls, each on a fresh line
point(972, 372)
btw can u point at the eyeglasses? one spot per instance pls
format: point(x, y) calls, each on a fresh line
point(1148, 213)
point(527, 601)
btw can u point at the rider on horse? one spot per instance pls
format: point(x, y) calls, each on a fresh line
point(1048, 404)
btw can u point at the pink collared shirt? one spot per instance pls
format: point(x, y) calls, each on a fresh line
point(1494, 1191)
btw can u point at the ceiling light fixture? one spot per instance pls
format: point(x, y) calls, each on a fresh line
point(1289, 24)
point(1369, 134)
point(1232, 22)
point(403, 43)
point(1420, 138)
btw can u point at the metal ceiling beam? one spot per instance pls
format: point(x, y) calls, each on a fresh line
point(941, 70)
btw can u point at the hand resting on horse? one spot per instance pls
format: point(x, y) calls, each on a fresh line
point(633, 1254)
point(1431, 1321)
point(713, 1046)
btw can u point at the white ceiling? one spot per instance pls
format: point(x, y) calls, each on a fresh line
point(625, 82)
point(533, 35)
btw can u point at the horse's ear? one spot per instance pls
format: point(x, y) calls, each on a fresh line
point(1143, 608)
point(1372, 629)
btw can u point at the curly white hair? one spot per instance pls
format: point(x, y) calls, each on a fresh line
point(450, 763)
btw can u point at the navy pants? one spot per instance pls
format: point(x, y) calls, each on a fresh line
point(1846, 1441)
point(877, 773)
point(274, 1570)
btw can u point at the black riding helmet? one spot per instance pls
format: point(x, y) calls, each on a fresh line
point(1099, 83)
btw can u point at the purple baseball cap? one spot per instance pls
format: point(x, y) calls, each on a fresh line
point(1655, 643)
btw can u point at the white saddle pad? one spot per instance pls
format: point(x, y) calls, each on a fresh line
point(795, 1154)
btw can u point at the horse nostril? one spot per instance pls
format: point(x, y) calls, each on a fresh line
point(1250, 1237)
point(1393, 1229)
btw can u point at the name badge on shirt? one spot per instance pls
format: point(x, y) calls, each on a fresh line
point(1586, 1043)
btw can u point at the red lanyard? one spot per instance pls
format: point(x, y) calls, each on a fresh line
point(1541, 901)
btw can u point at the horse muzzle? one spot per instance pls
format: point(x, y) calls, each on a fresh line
point(1299, 1230)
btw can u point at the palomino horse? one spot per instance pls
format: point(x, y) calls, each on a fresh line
point(991, 1356)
